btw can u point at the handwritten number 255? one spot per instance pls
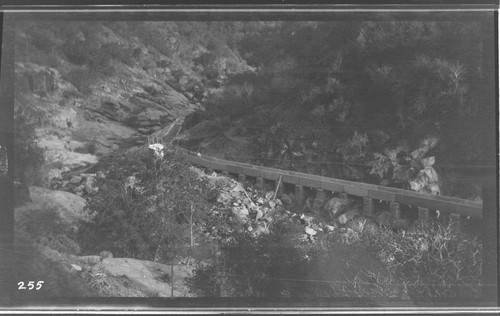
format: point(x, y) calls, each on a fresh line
point(30, 286)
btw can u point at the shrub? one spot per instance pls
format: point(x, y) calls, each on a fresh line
point(41, 222)
point(150, 220)
point(270, 266)
point(434, 259)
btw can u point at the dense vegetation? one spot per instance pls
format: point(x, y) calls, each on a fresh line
point(361, 88)
point(430, 261)
point(145, 209)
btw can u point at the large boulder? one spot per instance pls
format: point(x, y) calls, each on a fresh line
point(69, 206)
point(240, 214)
point(427, 179)
point(336, 206)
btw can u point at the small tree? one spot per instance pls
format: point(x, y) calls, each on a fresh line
point(151, 219)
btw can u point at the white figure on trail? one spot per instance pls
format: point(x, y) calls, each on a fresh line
point(158, 150)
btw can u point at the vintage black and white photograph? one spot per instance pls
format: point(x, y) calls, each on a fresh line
point(273, 157)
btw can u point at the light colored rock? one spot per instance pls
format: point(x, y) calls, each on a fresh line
point(239, 215)
point(269, 195)
point(349, 215)
point(244, 211)
point(306, 219)
point(310, 231)
point(259, 214)
point(75, 180)
point(76, 267)
point(54, 174)
point(329, 228)
point(259, 231)
point(336, 205)
point(224, 198)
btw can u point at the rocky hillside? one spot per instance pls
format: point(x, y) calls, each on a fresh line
point(92, 88)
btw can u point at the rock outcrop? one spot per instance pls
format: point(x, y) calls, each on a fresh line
point(69, 206)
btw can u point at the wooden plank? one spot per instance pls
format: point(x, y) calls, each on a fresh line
point(218, 165)
point(381, 195)
point(408, 199)
point(291, 179)
point(252, 172)
point(355, 190)
point(310, 182)
point(234, 169)
point(270, 175)
point(431, 202)
point(332, 186)
point(475, 211)
point(467, 210)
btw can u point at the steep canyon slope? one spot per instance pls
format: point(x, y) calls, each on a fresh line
point(89, 89)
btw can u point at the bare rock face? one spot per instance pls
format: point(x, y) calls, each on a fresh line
point(37, 79)
point(68, 205)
